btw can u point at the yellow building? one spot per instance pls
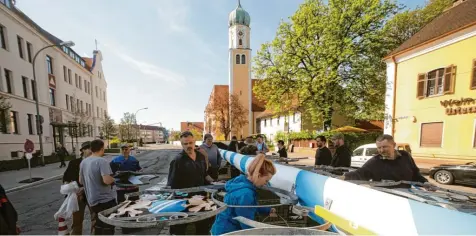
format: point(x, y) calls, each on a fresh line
point(431, 87)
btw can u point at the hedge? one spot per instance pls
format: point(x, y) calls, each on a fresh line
point(112, 150)
point(34, 162)
point(352, 139)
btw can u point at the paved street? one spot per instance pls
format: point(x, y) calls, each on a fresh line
point(36, 206)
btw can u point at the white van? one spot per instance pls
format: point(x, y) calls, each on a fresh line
point(363, 153)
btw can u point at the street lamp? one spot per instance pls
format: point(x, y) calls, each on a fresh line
point(37, 103)
point(135, 121)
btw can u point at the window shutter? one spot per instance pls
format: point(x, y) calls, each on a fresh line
point(473, 78)
point(449, 80)
point(421, 86)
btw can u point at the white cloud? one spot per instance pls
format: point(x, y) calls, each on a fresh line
point(147, 68)
point(175, 16)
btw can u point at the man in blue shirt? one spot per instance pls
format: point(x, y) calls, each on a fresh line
point(125, 162)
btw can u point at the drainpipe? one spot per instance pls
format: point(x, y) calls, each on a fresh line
point(394, 94)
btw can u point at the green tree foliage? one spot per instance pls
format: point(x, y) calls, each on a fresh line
point(328, 57)
point(408, 22)
point(325, 56)
point(126, 128)
point(108, 128)
point(4, 106)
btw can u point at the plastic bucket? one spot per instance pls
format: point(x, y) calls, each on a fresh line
point(280, 231)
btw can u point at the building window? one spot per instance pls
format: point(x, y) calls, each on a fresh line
point(71, 100)
point(65, 72)
point(104, 95)
point(277, 120)
point(29, 50)
point(49, 64)
point(3, 121)
point(20, 46)
point(52, 97)
point(473, 77)
point(76, 80)
point(431, 134)
point(82, 109)
point(243, 59)
point(77, 105)
point(97, 91)
point(436, 82)
point(474, 136)
point(69, 77)
point(8, 80)
point(85, 86)
point(240, 42)
point(67, 102)
point(39, 124)
point(237, 59)
point(3, 38)
point(30, 124)
point(80, 83)
point(33, 89)
point(14, 122)
point(24, 81)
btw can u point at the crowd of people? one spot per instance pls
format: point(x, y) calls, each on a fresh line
point(198, 166)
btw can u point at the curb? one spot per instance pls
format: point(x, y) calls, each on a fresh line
point(57, 177)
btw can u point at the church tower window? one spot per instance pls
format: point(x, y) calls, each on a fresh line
point(238, 59)
point(243, 59)
point(240, 42)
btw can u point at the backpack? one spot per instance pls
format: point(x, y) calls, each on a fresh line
point(8, 215)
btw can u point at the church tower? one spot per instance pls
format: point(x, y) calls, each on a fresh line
point(240, 63)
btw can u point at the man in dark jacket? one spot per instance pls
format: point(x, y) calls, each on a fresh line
point(8, 215)
point(188, 169)
point(323, 154)
point(389, 164)
point(342, 156)
point(72, 174)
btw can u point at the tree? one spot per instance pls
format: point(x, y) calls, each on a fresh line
point(408, 22)
point(174, 136)
point(4, 107)
point(108, 128)
point(324, 59)
point(226, 113)
point(126, 128)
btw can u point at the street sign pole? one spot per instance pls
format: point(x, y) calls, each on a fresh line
point(29, 147)
point(28, 157)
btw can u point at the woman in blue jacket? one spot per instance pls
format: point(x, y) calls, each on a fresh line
point(242, 191)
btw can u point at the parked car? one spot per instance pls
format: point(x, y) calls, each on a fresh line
point(363, 153)
point(450, 174)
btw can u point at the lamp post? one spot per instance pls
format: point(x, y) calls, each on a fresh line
point(37, 103)
point(135, 121)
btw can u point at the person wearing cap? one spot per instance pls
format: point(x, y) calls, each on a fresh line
point(72, 174)
point(125, 162)
point(213, 154)
point(342, 155)
point(262, 147)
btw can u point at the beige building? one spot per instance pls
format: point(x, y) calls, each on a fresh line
point(70, 88)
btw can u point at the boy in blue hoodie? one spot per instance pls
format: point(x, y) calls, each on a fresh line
point(242, 191)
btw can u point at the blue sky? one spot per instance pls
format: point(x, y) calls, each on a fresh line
point(162, 54)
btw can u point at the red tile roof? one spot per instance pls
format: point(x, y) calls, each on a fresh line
point(372, 125)
point(454, 19)
point(88, 61)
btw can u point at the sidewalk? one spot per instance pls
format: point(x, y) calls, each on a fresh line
point(10, 179)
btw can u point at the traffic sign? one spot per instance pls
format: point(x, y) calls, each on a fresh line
point(29, 146)
point(28, 155)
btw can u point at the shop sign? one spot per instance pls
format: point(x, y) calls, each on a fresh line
point(459, 107)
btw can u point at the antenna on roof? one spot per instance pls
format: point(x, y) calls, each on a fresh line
point(96, 42)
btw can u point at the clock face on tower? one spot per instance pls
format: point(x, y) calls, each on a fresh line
point(241, 34)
